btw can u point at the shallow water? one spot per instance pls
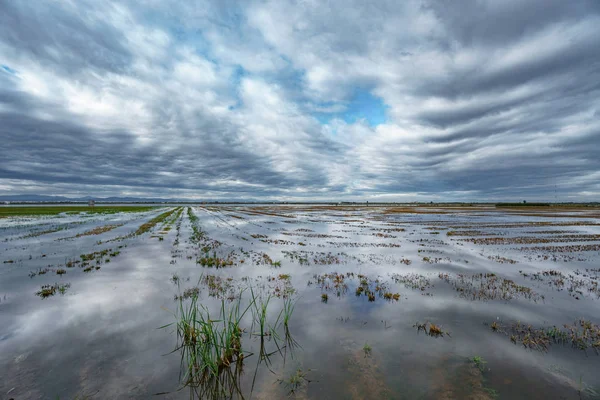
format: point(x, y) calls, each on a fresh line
point(100, 338)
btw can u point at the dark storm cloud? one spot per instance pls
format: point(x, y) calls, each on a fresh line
point(61, 36)
point(485, 100)
point(58, 152)
point(494, 23)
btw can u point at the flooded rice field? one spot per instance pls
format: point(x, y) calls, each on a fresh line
point(311, 302)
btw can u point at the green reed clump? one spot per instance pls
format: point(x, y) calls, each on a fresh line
point(209, 344)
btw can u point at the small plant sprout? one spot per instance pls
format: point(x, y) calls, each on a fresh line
point(479, 363)
point(434, 330)
point(295, 381)
point(51, 290)
point(367, 349)
point(259, 312)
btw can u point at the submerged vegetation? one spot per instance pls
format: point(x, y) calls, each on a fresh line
point(215, 261)
point(479, 363)
point(431, 329)
point(51, 290)
point(154, 221)
point(99, 230)
point(212, 344)
point(581, 335)
point(295, 381)
point(488, 286)
point(233, 322)
point(367, 349)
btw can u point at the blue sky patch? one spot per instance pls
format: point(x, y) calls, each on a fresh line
point(8, 69)
point(362, 106)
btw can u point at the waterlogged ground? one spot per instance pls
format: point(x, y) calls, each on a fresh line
point(389, 303)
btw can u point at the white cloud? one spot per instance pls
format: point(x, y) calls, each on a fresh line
point(209, 99)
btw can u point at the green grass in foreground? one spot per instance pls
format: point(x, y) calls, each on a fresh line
point(70, 209)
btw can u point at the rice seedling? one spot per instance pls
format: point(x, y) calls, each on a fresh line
point(98, 230)
point(295, 381)
point(581, 335)
point(259, 306)
point(212, 356)
point(420, 327)
point(288, 309)
point(413, 281)
point(40, 271)
point(189, 293)
point(214, 261)
point(153, 222)
point(434, 330)
point(479, 362)
point(62, 289)
point(259, 313)
point(51, 290)
point(209, 346)
point(489, 286)
point(367, 349)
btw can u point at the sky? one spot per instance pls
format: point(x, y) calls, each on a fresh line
point(428, 100)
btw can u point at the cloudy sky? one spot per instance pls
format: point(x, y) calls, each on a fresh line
point(309, 99)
